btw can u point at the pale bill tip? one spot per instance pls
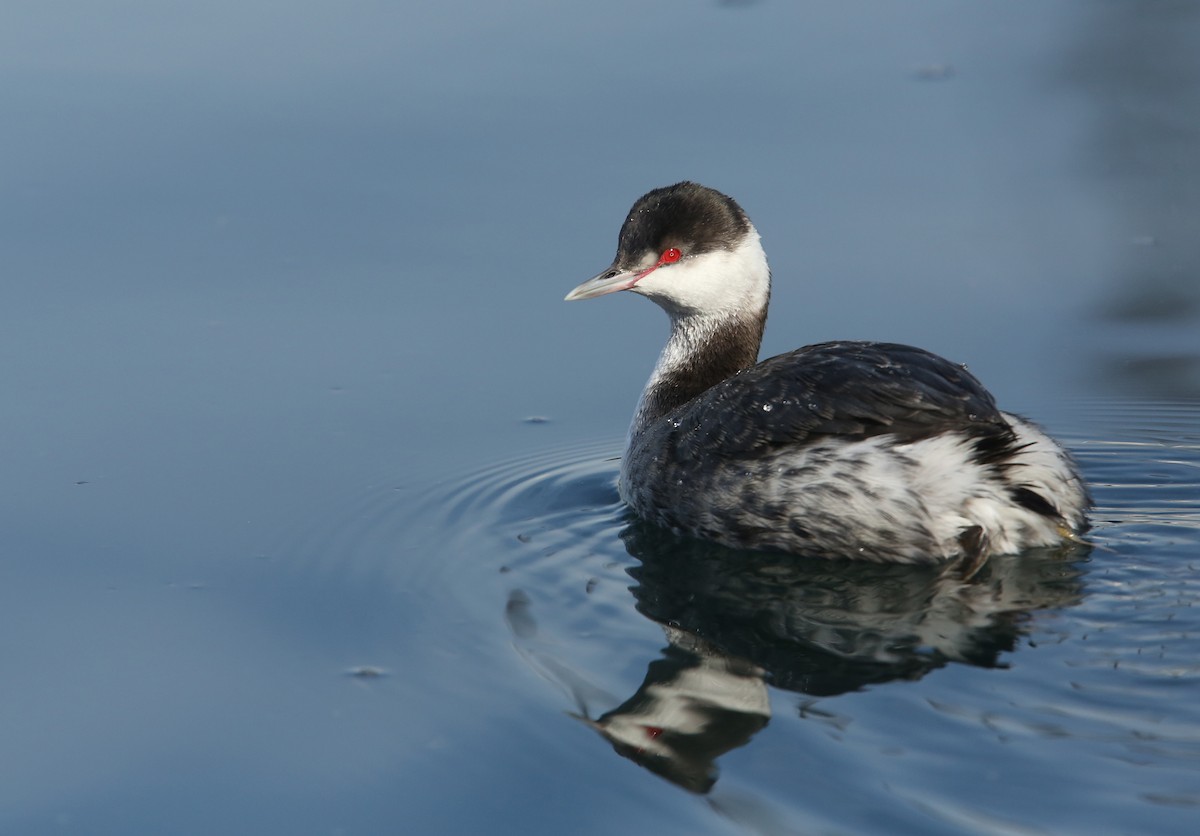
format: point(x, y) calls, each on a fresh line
point(600, 285)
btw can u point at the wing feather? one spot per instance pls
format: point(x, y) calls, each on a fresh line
point(853, 390)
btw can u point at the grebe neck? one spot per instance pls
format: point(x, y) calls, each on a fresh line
point(701, 352)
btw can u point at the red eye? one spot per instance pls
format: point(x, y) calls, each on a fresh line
point(670, 256)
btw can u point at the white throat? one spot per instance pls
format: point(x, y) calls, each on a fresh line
point(717, 303)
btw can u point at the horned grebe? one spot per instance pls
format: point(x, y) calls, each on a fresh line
point(855, 449)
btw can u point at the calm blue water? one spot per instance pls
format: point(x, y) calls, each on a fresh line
point(282, 551)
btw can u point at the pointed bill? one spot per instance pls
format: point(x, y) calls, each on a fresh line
point(610, 281)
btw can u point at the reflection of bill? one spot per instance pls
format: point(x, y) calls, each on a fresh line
point(695, 705)
point(809, 625)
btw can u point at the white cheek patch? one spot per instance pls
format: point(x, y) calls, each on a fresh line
point(713, 284)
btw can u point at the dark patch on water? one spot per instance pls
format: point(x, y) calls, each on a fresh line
point(1060, 656)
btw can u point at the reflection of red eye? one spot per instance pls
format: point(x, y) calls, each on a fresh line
point(670, 256)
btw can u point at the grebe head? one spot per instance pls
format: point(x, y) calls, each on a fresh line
point(693, 251)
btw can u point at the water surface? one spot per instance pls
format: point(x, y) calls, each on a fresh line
point(281, 550)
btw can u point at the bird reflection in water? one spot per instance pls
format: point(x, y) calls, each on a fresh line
point(738, 622)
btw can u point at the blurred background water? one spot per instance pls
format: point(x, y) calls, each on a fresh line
point(308, 519)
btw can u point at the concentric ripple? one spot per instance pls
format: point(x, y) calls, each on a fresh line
point(548, 517)
point(904, 678)
point(567, 495)
point(555, 513)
